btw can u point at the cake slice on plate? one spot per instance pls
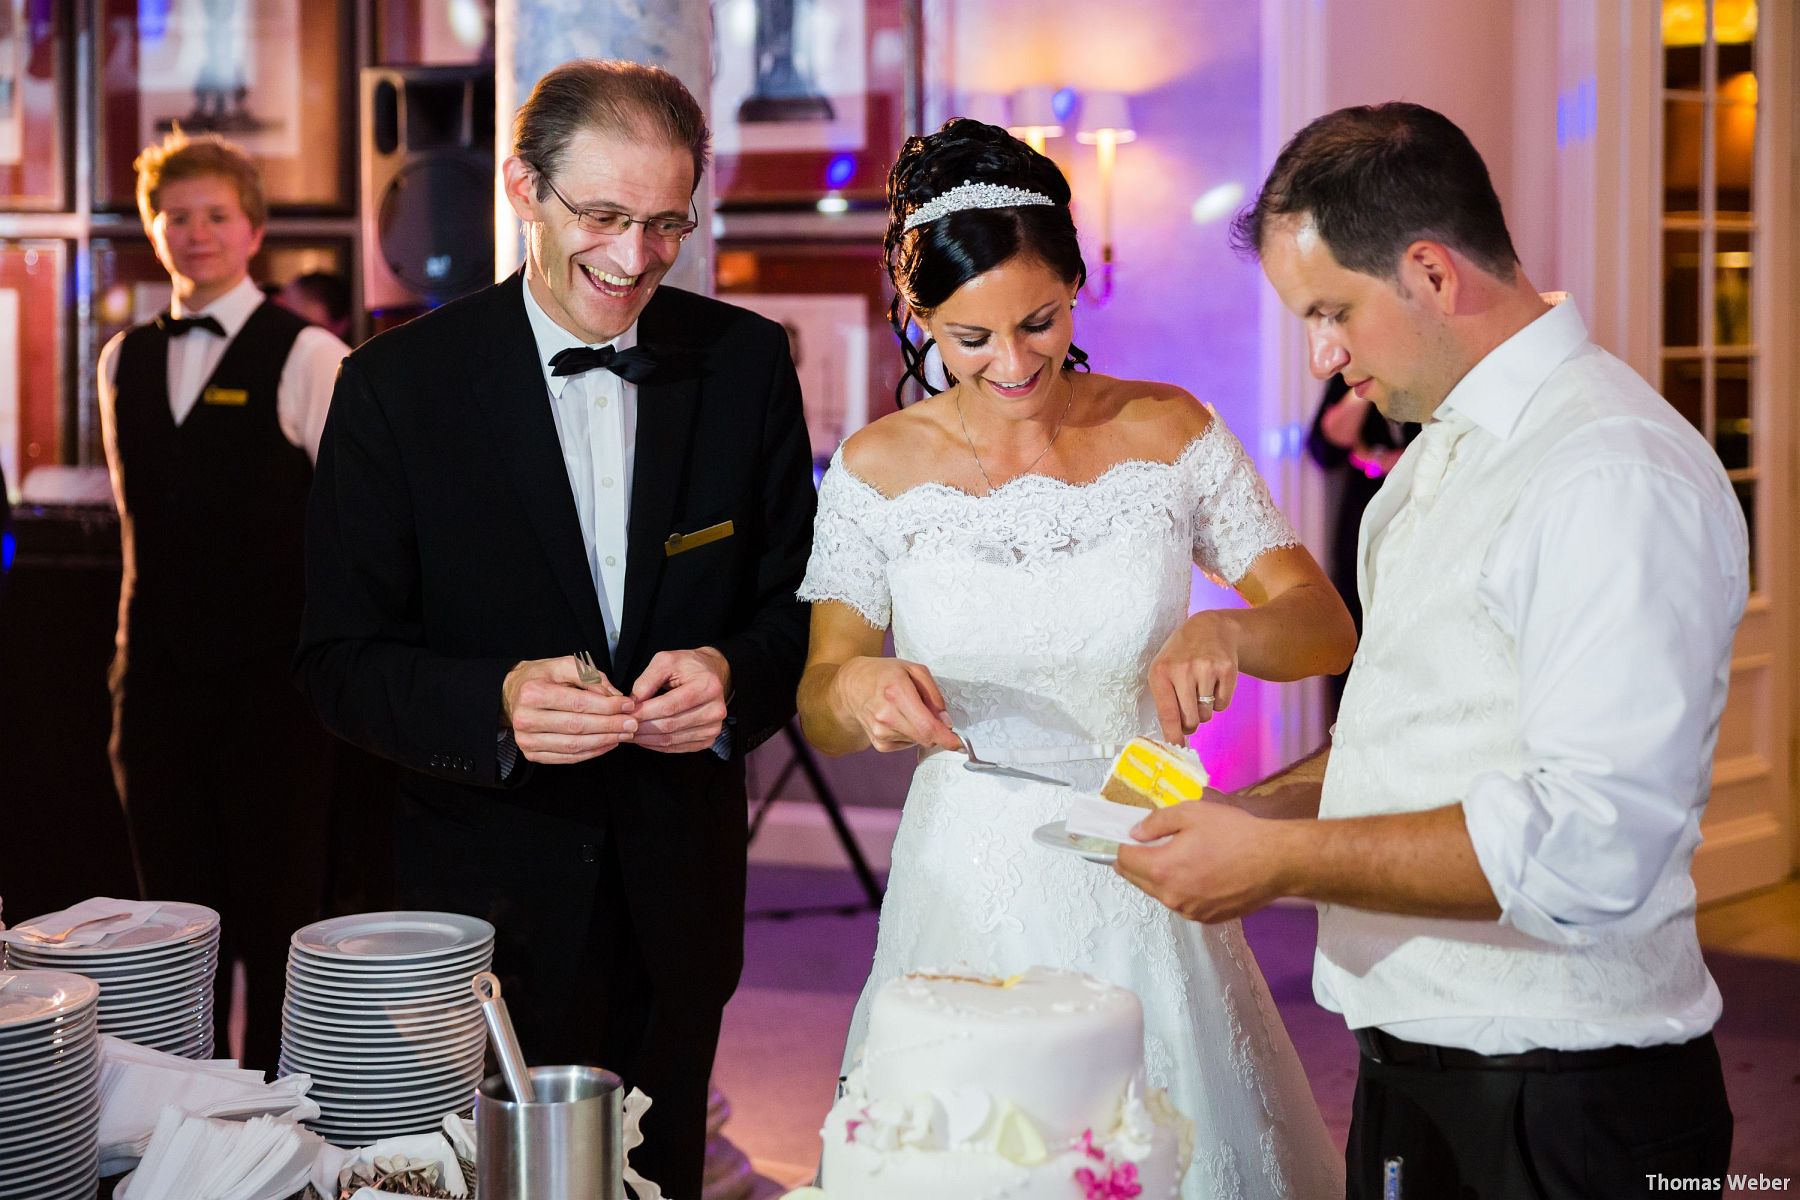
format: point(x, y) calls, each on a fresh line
point(1153, 774)
point(1148, 774)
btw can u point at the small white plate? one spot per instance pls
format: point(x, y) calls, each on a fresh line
point(382, 1028)
point(392, 936)
point(47, 1076)
point(1095, 850)
point(30, 997)
point(480, 953)
point(173, 922)
point(145, 958)
point(314, 1061)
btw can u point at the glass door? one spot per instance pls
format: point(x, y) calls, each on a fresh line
point(1717, 339)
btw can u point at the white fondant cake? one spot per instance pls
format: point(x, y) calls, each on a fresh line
point(1028, 1088)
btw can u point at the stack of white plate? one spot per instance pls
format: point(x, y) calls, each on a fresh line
point(49, 1085)
point(156, 981)
point(379, 1012)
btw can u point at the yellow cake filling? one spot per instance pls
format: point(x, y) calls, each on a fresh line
point(1149, 774)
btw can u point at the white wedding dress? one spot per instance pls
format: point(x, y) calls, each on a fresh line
point(1038, 609)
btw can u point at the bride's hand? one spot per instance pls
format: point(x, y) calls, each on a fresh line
point(896, 702)
point(1194, 674)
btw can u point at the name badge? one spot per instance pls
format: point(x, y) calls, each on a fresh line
point(233, 397)
point(680, 543)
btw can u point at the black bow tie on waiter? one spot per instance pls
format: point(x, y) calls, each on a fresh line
point(181, 326)
point(634, 365)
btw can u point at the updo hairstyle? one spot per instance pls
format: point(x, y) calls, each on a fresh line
point(929, 263)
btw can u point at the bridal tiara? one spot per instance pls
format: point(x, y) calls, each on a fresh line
point(972, 195)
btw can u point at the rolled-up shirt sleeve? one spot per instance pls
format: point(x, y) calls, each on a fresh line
point(1622, 587)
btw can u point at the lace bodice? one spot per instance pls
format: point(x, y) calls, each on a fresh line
point(1039, 606)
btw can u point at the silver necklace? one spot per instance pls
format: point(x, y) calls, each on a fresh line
point(1054, 434)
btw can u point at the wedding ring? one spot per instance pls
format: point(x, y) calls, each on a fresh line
point(1206, 700)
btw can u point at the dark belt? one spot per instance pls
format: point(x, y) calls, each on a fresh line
point(1385, 1048)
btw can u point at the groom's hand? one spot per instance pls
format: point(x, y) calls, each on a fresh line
point(682, 697)
point(555, 719)
point(1218, 861)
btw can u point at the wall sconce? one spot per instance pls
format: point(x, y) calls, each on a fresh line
point(1034, 119)
point(1105, 123)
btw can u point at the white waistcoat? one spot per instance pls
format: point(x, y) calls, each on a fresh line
point(1432, 703)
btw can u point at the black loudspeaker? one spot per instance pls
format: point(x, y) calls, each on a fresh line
point(427, 184)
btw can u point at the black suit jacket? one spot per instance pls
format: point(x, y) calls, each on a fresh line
point(443, 547)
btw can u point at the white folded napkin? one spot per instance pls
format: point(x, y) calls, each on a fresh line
point(86, 924)
point(198, 1158)
point(461, 1132)
point(138, 1085)
point(636, 1105)
point(1092, 815)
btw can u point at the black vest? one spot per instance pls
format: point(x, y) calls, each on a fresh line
point(215, 508)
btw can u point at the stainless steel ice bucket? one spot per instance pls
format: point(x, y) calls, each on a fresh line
point(569, 1145)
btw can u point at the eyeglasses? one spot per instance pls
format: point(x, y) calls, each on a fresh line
point(611, 223)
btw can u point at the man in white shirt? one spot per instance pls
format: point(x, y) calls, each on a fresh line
point(1500, 834)
point(211, 415)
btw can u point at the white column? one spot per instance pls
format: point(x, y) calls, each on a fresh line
point(533, 36)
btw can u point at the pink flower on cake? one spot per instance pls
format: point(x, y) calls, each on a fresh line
point(1119, 1183)
point(855, 1123)
point(1087, 1147)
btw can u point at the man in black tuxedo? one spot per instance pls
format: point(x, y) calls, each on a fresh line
point(469, 531)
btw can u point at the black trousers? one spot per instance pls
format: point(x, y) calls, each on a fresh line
point(577, 987)
point(1581, 1126)
point(225, 778)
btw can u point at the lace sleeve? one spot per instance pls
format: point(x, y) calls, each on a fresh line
point(1235, 518)
point(846, 564)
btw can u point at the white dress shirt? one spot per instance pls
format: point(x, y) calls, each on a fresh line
point(1609, 587)
point(302, 398)
point(596, 422)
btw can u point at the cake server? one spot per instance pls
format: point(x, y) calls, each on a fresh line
point(981, 766)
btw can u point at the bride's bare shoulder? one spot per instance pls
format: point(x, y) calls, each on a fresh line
point(899, 450)
point(1157, 419)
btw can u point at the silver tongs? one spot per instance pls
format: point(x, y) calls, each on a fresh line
point(506, 1044)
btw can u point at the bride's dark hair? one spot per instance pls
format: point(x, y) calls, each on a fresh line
point(927, 264)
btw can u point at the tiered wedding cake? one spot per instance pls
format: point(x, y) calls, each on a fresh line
point(1031, 1088)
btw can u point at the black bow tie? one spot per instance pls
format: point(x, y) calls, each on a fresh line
point(634, 365)
point(181, 326)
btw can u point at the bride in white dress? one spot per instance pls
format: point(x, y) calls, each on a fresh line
point(1029, 535)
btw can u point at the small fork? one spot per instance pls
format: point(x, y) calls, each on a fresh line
point(982, 767)
point(588, 674)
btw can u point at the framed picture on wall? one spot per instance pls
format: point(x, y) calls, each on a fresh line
point(828, 335)
point(34, 49)
point(791, 75)
point(32, 432)
point(833, 299)
point(274, 77)
point(809, 98)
